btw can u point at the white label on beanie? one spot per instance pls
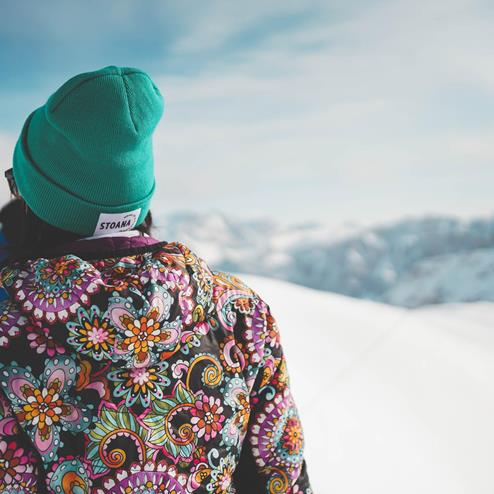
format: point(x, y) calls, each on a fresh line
point(116, 222)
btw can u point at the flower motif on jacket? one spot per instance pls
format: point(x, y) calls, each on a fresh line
point(278, 434)
point(11, 320)
point(222, 476)
point(42, 341)
point(52, 289)
point(92, 334)
point(43, 406)
point(173, 278)
point(140, 383)
point(16, 466)
point(144, 333)
point(149, 478)
point(207, 417)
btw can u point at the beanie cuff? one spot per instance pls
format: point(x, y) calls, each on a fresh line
point(61, 208)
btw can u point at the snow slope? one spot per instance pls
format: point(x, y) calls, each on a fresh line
point(392, 400)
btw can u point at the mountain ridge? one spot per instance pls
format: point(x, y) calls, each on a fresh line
point(408, 263)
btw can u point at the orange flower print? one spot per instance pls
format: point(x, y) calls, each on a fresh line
point(144, 333)
point(207, 417)
point(92, 334)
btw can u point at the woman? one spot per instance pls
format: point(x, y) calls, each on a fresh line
point(127, 365)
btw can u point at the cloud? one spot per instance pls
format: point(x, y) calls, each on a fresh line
point(350, 129)
point(330, 111)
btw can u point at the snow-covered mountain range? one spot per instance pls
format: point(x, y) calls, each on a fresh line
point(410, 263)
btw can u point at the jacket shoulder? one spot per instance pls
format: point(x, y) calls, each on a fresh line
point(219, 280)
point(232, 297)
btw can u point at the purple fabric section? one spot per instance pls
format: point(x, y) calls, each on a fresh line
point(106, 245)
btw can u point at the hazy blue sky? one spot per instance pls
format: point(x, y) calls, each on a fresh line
point(355, 110)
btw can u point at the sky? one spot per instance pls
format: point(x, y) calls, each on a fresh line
point(356, 111)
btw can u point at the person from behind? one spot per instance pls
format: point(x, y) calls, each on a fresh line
point(127, 364)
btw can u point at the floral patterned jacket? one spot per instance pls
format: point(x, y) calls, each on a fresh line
point(127, 366)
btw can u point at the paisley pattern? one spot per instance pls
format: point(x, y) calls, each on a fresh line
point(69, 475)
point(116, 439)
point(145, 373)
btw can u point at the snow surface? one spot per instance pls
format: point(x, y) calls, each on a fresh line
point(392, 400)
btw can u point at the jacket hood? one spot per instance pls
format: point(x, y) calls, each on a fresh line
point(131, 308)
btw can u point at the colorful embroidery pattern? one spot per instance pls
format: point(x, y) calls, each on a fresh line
point(144, 333)
point(92, 334)
point(148, 373)
point(55, 289)
point(141, 383)
point(43, 406)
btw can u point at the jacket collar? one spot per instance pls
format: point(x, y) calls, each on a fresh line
point(104, 247)
point(128, 233)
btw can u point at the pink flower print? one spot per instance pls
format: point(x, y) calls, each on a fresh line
point(16, 465)
point(207, 417)
point(41, 340)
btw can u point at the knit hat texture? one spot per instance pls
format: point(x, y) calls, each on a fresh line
point(84, 160)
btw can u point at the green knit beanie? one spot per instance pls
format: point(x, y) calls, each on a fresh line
point(84, 160)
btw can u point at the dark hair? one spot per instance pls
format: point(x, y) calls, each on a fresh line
point(28, 236)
